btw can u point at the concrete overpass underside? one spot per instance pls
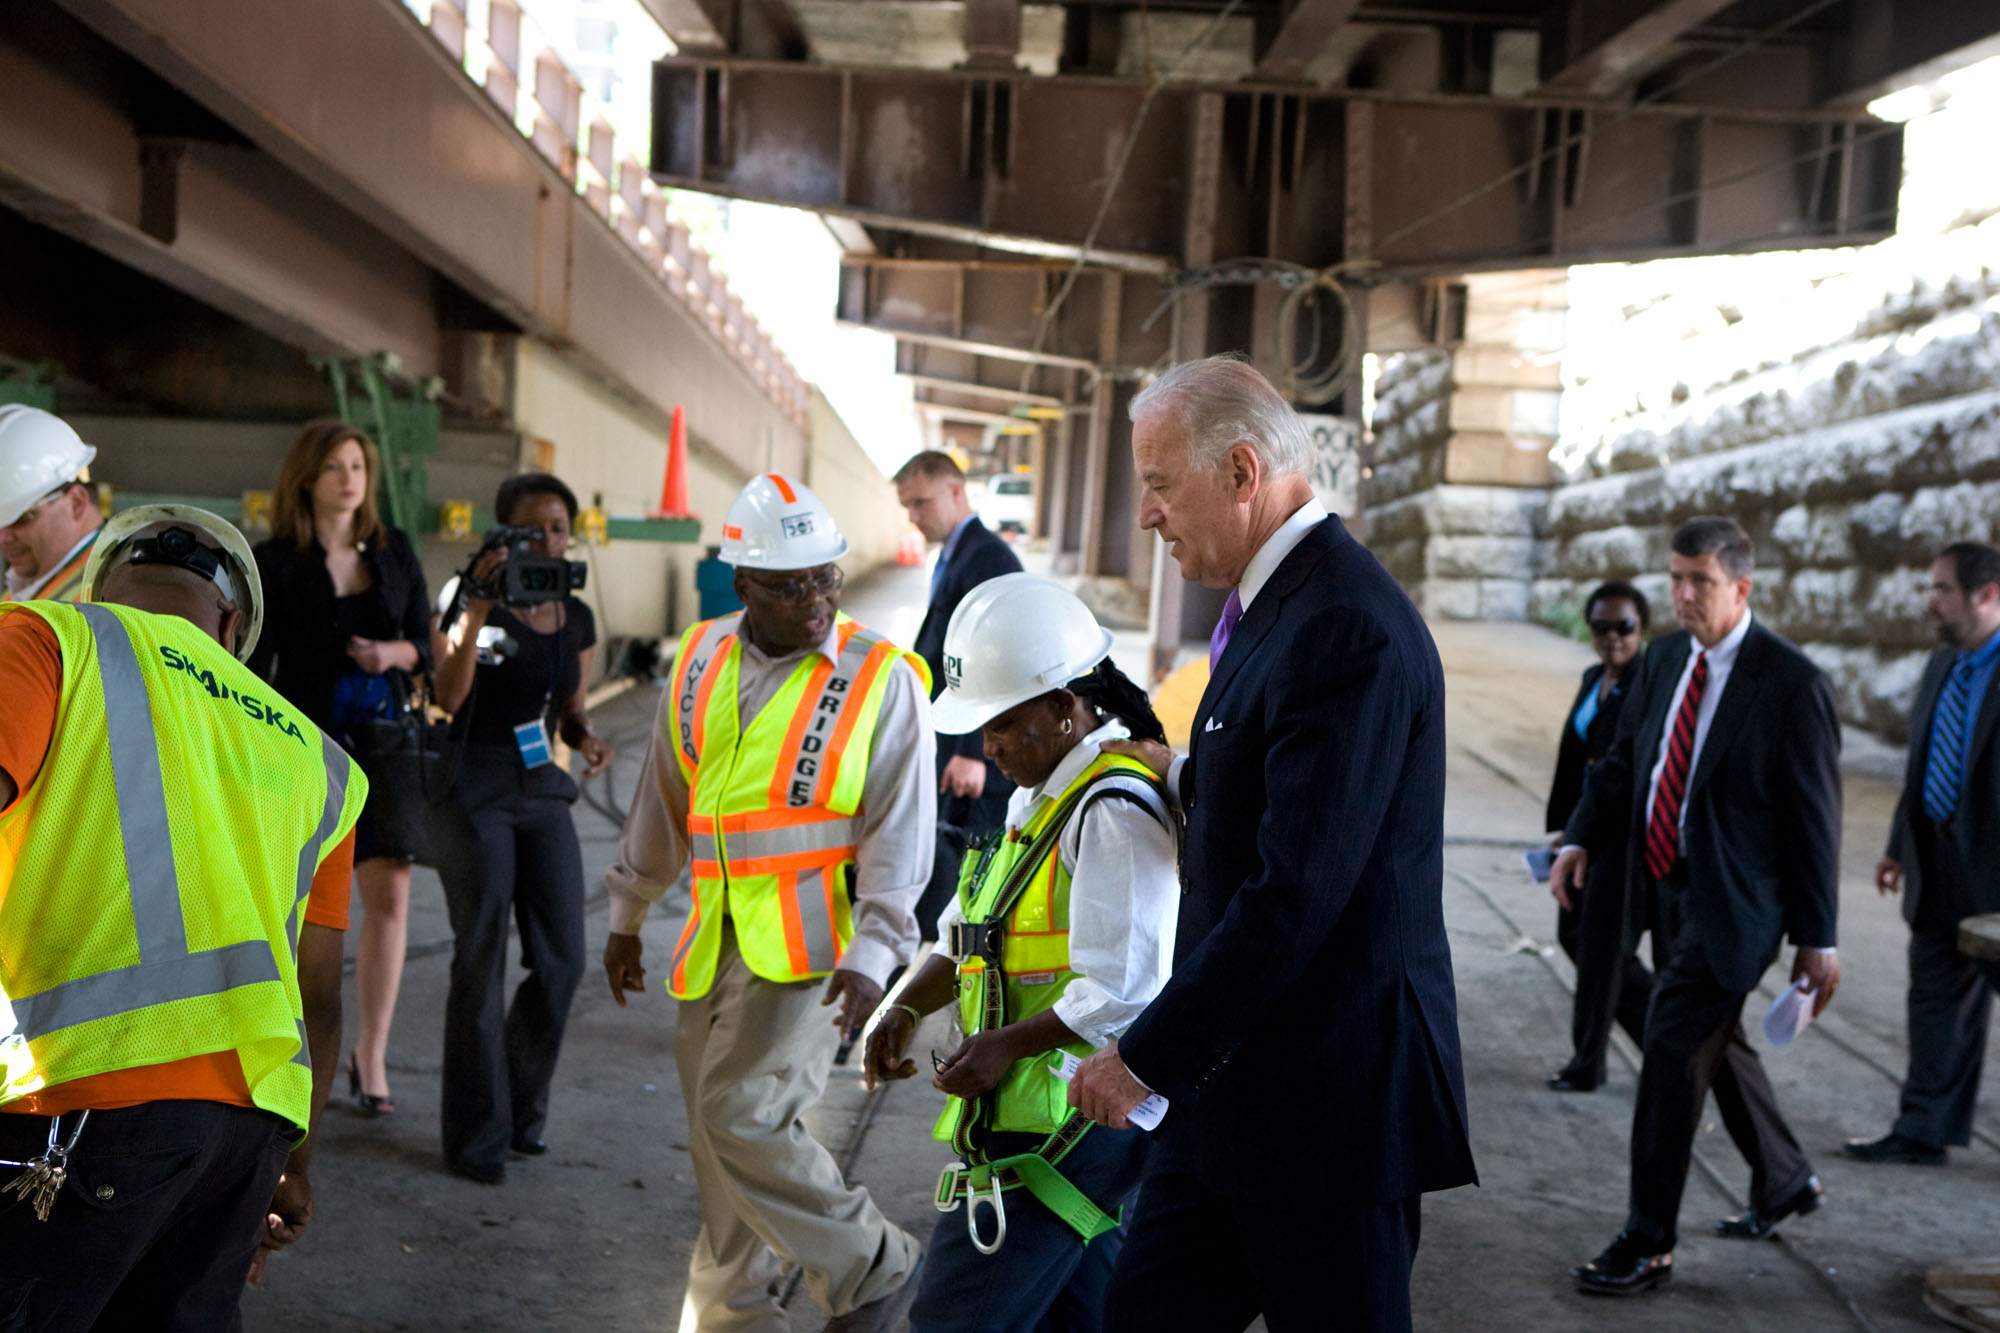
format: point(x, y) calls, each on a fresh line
point(198, 199)
point(1048, 202)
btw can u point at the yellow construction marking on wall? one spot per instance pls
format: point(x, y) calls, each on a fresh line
point(1178, 697)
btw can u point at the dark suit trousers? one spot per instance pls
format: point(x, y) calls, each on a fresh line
point(1694, 1042)
point(1951, 998)
point(1612, 985)
point(1200, 1262)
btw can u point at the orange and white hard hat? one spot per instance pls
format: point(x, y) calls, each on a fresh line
point(778, 523)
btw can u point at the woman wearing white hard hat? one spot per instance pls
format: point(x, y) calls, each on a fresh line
point(1070, 909)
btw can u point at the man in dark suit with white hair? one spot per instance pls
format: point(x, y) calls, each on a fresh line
point(1308, 1040)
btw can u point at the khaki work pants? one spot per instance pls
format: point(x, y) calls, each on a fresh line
point(753, 1056)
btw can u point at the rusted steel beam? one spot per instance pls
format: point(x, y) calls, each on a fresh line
point(1016, 162)
point(1610, 46)
point(1302, 31)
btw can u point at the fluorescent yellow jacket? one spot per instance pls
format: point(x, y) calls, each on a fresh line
point(1017, 881)
point(154, 874)
point(774, 807)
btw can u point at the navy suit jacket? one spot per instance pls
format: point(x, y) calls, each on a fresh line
point(979, 556)
point(1308, 1039)
point(1979, 794)
point(1761, 821)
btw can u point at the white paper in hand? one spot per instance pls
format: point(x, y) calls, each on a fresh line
point(1146, 1115)
point(1789, 1013)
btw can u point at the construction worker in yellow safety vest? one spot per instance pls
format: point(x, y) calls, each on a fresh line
point(49, 514)
point(1062, 932)
point(792, 772)
point(175, 846)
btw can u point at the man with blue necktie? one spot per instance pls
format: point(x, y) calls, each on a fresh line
point(1941, 845)
point(973, 794)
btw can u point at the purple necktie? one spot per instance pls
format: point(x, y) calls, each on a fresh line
point(1218, 638)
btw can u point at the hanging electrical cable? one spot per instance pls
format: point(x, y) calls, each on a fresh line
point(1047, 319)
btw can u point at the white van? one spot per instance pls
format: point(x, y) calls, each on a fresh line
point(1009, 505)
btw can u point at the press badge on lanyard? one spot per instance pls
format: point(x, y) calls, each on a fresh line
point(532, 738)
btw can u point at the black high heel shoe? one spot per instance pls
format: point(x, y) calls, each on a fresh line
point(365, 1103)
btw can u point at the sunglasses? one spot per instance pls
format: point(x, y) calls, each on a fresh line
point(1601, 628)
point(801, 587)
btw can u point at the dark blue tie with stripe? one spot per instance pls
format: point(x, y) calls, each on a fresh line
point(1945, 768)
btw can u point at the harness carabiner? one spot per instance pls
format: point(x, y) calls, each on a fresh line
point(999, 1205)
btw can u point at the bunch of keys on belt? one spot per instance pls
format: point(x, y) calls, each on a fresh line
point(42, 1180)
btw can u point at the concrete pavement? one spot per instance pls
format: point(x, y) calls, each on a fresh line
point(596, 1235)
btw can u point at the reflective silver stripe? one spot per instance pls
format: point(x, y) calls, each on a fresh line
point(701, 846)
point(141, 794)
point(814, 923)
point(143, 985)
point(834, 696)
point(338, 768)
point(697, 667)
point(820, 836)
point(303, 1055)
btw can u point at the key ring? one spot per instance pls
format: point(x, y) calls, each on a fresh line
point(937, 1065)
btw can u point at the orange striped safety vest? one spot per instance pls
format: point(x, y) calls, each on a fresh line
point(774, 807)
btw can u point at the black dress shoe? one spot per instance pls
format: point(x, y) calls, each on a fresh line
point(1628, 1266)
point(1568, 1082)
point(479, 1173)
point(1757, 1224)
point(1893, 1147)
point(530, 1147)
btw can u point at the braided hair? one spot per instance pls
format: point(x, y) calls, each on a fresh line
point(1110, 690)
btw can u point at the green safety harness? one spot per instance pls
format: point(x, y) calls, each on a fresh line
point(979, 1179)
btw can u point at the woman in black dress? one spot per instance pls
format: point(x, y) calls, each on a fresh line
point(1598, 932)
point(505, 843)
point(346, 624)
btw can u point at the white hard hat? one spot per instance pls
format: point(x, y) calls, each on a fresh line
point(136, 534)
point(778, 523)
point(1011, 639)
point(38, 452)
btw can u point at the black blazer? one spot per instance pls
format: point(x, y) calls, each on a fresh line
point(1308, 1038)
point(979, 556)
point(1577, 755)
point(1979, 798)
point(1762, 811)
point(300, 651)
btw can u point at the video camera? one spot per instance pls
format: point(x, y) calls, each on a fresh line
point(526, 578)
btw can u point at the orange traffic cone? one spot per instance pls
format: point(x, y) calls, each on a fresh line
point(910, 549)
point(674, 488)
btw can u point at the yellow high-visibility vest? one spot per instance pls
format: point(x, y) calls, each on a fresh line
point(773, 807)
point(153, 876)
point(1033, 958)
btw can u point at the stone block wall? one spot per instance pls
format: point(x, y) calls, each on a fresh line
point(1460, 468)
point(1852, 462)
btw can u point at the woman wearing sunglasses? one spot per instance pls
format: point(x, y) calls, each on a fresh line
point(1599, 931)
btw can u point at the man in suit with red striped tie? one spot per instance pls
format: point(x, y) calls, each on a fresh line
point(1725, 780)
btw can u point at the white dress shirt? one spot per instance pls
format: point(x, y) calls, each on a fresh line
point(1721, 663)
point(1255, 575)
point(898, 813)
point(1124, 898)
point(1276, 547)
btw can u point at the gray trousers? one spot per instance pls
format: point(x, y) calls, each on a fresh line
point(753, 1056)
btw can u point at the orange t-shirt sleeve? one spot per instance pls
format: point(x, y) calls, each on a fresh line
point(327, 904)
point(31, 676)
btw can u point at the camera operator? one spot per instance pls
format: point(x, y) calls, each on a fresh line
point(504, 840)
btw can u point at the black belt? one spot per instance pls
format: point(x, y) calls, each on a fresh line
point(974, 939)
